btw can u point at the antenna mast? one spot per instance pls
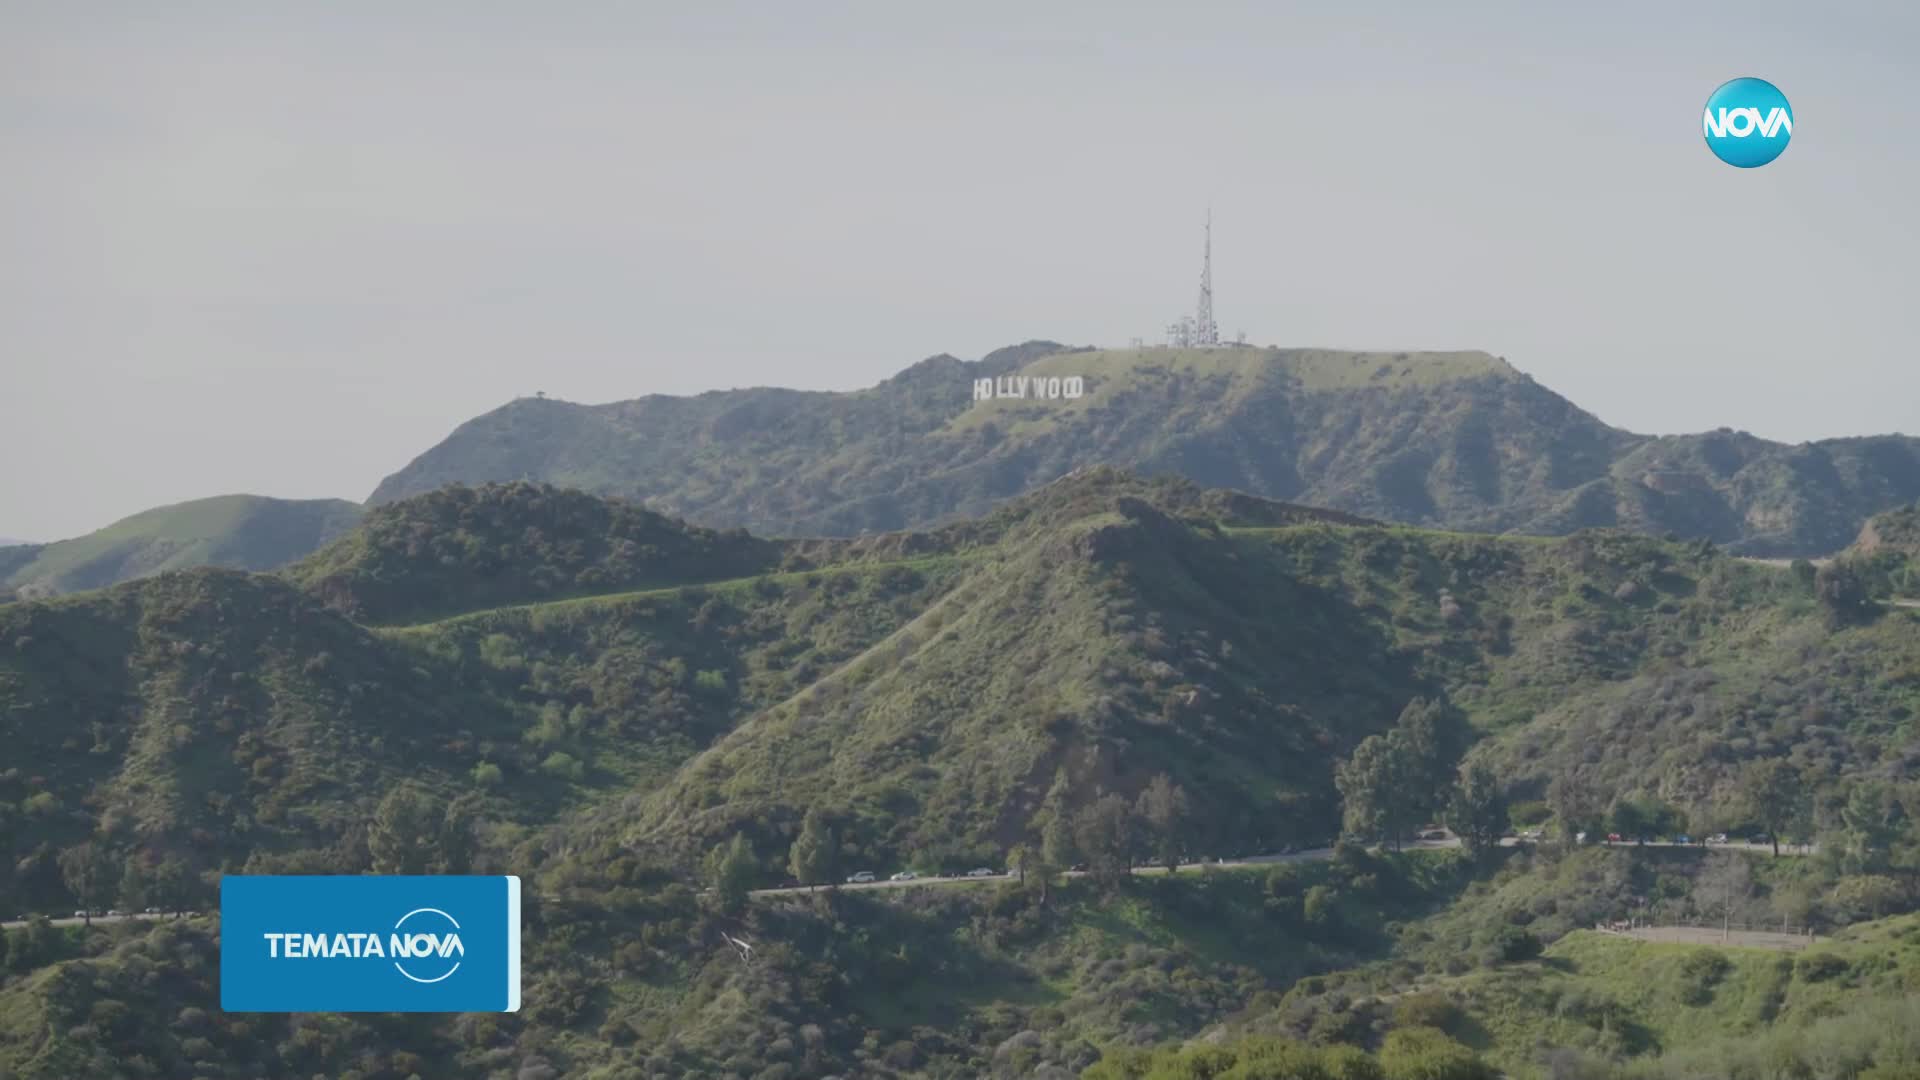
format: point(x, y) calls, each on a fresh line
point(1204, 331)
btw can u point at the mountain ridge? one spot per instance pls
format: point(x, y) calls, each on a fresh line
point(1455, 440)
point(241, 532)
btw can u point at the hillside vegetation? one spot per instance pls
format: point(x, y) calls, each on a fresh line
point(1455, 440)
point(1107, 671)
point(240, 532)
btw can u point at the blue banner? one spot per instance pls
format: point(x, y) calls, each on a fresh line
point(370, 944)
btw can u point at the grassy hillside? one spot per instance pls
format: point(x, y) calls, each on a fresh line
point(242, 532)
point(1454, 440)
point(617, 706)
point(635, 981)
point(940, 695)
point(463, 548)
point(1395, 959)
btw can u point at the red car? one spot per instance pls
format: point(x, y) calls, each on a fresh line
point(1613, 838)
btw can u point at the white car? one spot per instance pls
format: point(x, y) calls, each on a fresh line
point(982, 872)
point(904, 875)
point(861, 878)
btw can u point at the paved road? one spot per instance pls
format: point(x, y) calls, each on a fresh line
point(1309, 855)
point(1710, 935)
point(20, 924)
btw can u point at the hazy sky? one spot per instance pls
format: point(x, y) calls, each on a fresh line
point(282, 248)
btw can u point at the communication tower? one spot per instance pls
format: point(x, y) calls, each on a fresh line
point(1198, 330)
point(1205, 332)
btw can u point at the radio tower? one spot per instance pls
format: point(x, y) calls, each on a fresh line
point(1205, 333)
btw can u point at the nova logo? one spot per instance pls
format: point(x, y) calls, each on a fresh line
point(405, 943)
point(1747, 123)
point(427, 945)
point(333, 944)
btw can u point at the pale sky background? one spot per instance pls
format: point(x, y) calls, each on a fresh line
point(282, 248)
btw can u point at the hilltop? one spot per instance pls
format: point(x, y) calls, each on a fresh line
point(1454, 440)
point(241, 532)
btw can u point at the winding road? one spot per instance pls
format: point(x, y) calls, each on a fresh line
point(1309, 855)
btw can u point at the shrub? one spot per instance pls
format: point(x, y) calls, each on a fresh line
point(1513, 945)
point(1428, 1009)
point(1819, 967)
point(1700, 971)
point(1427, 1054)
point(1321, 908)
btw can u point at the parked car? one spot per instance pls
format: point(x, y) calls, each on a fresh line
point(1717, 838)
point(981, 871)
point(1580, 837)
point(79, 914)
point(1683, 838)
point(860, 878)
point(152, 911)
point(115, 912)
point(1613, 838)
point(1433, 834)
point(1079, 868)
point(904, 875)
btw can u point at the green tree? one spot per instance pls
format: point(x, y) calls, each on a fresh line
point(810, 859)
point(136, 882)
point(1321, 908)
point(404, 835)
point(1373, 789)
point(1427, 733)
point(459, 836)
point(1842, 592)
point(1577, 804)
point(89, 874)
point(1871, 820)
point(1629, 819)
point(1056, 830)
point(1162, 811)
point(731, 870)
point(1777, 797)
point(172, 885)
point(1477, 813)
point(1104, 834)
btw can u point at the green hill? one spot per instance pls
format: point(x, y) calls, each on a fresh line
point(1446, 440)
point(241, 532)
point(943, 693)
point(519, 679)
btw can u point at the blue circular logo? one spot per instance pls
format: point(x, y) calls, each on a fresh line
point(1748, 122)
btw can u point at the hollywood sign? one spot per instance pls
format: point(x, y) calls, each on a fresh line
point(1045, 388)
